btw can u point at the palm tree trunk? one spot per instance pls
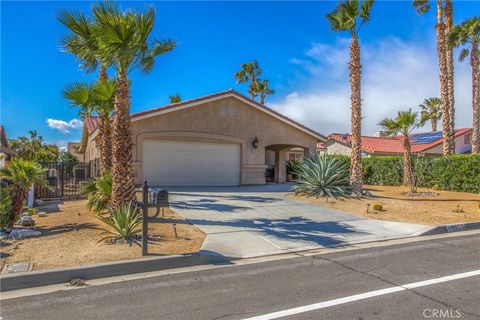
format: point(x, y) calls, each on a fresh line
point(262, 99)
point(102, 73)
point(434, 122)
point(442, 61)
point(407, 161)
point(450, 72)
point(105, 145)
point(475, 63)
point(356, 117)
point(19, 196)
point(123, 187)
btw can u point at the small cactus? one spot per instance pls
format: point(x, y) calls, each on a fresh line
point(377, 207)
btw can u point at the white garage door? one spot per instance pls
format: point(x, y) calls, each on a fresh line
point(169, 163)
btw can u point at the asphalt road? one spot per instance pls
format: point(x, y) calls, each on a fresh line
point(257, 289)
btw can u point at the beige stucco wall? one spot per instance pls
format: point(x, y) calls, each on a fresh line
point(460, 146)
point(334, 147)
point(228, 120)
point(91, 150)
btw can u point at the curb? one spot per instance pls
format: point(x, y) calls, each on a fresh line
point(32, 279)
point(16, 281)
point(456, 227)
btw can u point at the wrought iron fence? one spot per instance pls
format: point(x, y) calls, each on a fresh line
point(66, 178)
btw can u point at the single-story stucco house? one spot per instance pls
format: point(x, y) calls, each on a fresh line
point(5, 152)
point(424, 143)
point(222, 139)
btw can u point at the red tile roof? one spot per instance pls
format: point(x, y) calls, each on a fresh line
point(390, 145)
point(91, 123)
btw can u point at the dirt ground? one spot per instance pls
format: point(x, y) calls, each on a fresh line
point(70, 238)
point(446, 208)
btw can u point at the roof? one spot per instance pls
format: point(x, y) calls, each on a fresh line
point(4, 148)
point(91, 123)
point(421, 142)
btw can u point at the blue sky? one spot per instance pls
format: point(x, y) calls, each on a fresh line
point(305, 61)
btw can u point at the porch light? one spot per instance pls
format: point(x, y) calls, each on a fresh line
point(255, 143)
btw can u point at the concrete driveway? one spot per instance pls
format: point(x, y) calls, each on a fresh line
point(260, 220)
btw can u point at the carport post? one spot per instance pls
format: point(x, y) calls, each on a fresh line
point(145, 219)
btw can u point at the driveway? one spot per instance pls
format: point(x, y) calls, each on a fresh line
point(260, 220)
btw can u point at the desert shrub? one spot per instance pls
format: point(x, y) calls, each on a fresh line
point(98, 193)
point(323, 176)
point(124, 223)
point(457, 173)
point(383, 170)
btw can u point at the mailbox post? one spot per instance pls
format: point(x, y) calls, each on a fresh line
point(159, 200)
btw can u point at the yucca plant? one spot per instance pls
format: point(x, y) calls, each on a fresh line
point(124, 222)
point(323, 176)
point(98, 193)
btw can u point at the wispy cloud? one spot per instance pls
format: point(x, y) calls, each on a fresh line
point(64, 126)
point(397, 75)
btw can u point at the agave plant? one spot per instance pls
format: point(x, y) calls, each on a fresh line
point(98, 193)
point(323, 176)
point(124, 222)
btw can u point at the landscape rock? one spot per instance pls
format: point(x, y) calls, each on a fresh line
point(24, 233)
point(42, 214)
point(26, 221)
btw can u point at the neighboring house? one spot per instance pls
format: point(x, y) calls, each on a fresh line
point(5, 152)
point(217, 140)
point(425, 143)
point(72, 148)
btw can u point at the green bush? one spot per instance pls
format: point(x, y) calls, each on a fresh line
point(454, 173)
point(457, 173)
point(383, 170)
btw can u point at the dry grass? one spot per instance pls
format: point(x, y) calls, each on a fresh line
point(70, 238)
point(446, 208)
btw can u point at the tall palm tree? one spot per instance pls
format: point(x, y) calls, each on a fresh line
point(351, 16)
point(175, 98)
point(82, 42)
point(96, 98)
point(264, 90)
point(450, 72)
point(467, 35)
point(432, 108)
point(124, 37)
point(22, 174)
point(250, 72)
point(404, 123)
point(422, 7)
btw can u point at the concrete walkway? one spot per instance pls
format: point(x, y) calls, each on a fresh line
point(260, 220)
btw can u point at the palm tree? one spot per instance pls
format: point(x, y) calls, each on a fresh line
point(264, 90)
point(404, 123)
point(22, 174)
point(450, 73)
point(82, 42)
point(467, 35)
point(250, 72)
point(175, 98)
point(96, 98)
point(431, 108)
point(124, 38)
point(422, 7)
point(351, 16)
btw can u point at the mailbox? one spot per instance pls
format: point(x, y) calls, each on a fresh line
point(160, 199)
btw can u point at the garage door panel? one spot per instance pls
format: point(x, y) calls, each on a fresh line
point(169, 163)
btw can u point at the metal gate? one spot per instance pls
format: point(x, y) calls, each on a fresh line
point(66, 178)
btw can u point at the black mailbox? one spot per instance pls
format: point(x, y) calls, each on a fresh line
point(161, 199)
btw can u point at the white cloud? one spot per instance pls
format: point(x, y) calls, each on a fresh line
point(397, 75)
point(64, 126)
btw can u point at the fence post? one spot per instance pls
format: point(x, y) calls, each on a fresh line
point(61, 176)
point(145, 219)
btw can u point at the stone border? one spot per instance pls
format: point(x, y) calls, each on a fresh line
point(15, 281)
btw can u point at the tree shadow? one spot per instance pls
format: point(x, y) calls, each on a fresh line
point(206, 204)
point(292, 229)
point(69, 227)
point(249, 198)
